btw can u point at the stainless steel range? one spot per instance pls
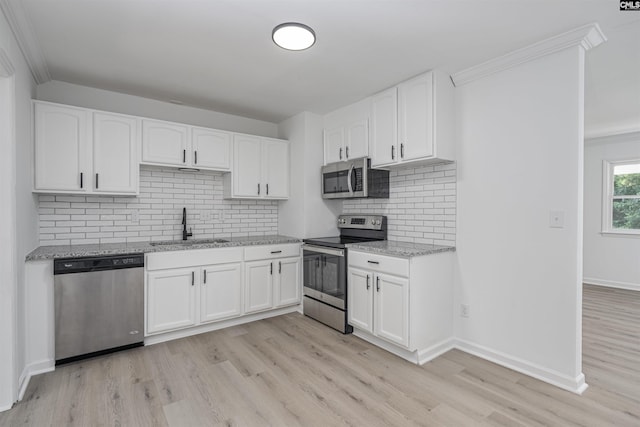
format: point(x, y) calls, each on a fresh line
point(325, 268)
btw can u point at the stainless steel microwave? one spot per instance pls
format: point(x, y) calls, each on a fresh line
point(354, 179)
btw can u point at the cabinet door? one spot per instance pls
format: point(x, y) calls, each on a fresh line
point(258, 278)
point(287, 286)
point(171, 299)
point(415, 112)
point(357, 143)
point(165, 143)
point(247, 165)
point(62, 151)
point(221, 291)
point(115, 153)
point(211, 149)
point(384, 128)
point(392, 309)
point(275, 155)
point(334, 145)
point(360, 299)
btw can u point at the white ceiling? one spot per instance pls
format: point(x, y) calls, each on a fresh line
point(218, 54)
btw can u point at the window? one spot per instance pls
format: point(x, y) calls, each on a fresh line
point(621, 197)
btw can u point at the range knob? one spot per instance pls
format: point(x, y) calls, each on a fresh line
point(373, 222)
point(378, 222)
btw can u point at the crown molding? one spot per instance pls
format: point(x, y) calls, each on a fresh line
point(26, 39)
point(626, 135)
point(587, 37)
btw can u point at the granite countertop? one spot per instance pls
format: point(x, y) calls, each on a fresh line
point(76, 251)
point(400, 249)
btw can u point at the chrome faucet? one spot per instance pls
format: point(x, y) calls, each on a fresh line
point(184, 224)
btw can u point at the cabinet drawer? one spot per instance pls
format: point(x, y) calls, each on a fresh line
point(192, 258)
point(381, 263)
point(271, 251)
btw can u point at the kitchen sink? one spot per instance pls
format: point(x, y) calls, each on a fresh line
point(188, 242)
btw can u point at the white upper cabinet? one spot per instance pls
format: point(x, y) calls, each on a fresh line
point(81, 151)
point(211, 149)
point(413, 122)
point(165, 143)
point(260, 169)
point(384, 127)
point(247, 166)
point(333, 145)
point(357, 142)
point(346, 132)
point(115, 153)
point(275, 168)
point(174, 144)
point(61, 148)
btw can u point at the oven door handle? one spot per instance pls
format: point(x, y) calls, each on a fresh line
point(323, 250)
point(349, 178)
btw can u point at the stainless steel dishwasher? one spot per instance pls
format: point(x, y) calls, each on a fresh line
point(99, 305)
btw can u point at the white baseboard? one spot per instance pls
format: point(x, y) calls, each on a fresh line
point(611, 284)
point(575, 385)
point(32, 369)
point(430, 353)
point(411, 356)
point(183, 333)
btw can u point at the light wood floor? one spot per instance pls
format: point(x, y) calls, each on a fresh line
point(291, 370)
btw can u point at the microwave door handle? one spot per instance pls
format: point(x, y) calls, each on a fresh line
point(349, 178)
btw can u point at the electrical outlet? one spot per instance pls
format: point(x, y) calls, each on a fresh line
point(134, 216)
point(464, 310)
point(205, 216)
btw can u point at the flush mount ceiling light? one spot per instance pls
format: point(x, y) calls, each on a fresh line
point(293, 36)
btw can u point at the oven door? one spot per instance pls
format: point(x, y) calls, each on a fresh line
point(343, 180)
point(325, 275)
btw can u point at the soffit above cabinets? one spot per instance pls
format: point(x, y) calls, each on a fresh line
point(218, 55)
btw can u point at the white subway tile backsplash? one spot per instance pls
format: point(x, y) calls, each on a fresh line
point(421, 207)
point(164, 192)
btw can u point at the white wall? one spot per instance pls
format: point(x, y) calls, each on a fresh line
point(12, 334)
point(609, 260)
point(520, 156)
point(83, 96)
point(306, 213)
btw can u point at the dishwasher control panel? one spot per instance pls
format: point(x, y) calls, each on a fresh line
point(87, 264)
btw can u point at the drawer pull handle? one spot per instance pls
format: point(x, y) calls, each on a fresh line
point(276, 252)
point(373, 262)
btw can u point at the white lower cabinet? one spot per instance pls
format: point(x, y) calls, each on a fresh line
point(259, 285)
point(286, 289)
point(171, 299)
point(273, 277)
point(379, 304)
point(406, 302)
point(191, 288)
point(392, 308)
point(221, 292)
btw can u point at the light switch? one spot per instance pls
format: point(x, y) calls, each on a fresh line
point(556, 219)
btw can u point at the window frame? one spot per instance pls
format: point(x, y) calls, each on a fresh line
point(608, 167)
